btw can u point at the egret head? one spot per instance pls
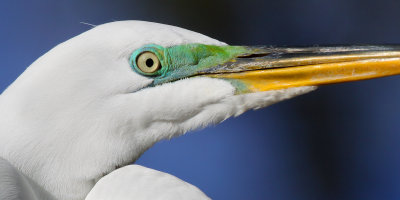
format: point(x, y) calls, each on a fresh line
point(100, 99)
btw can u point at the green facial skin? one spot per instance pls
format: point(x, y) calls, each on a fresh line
point(187, 60)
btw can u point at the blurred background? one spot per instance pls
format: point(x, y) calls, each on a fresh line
point(339, 142)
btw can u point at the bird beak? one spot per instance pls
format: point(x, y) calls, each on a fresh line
point(272, 68)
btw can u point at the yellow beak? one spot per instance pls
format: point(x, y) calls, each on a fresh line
point(279, 68)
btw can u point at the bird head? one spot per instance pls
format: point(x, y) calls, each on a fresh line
point(100, 99)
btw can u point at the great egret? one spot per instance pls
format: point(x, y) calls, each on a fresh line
point(99, 100)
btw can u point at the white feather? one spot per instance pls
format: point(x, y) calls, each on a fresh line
point(141, 183)
point(16, 186)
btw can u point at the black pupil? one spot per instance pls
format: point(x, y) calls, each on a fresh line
point(149, 62)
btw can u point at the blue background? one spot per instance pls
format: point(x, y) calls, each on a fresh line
point(339, 142)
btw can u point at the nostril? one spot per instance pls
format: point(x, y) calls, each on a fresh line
point(253, 55)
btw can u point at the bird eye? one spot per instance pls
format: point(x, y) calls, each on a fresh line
point(148, 62)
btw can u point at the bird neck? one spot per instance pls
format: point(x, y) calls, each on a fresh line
point(64, 150)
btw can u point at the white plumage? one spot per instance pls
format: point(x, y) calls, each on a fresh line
point(16, 186)
point(79, 111)
point(143, 183)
